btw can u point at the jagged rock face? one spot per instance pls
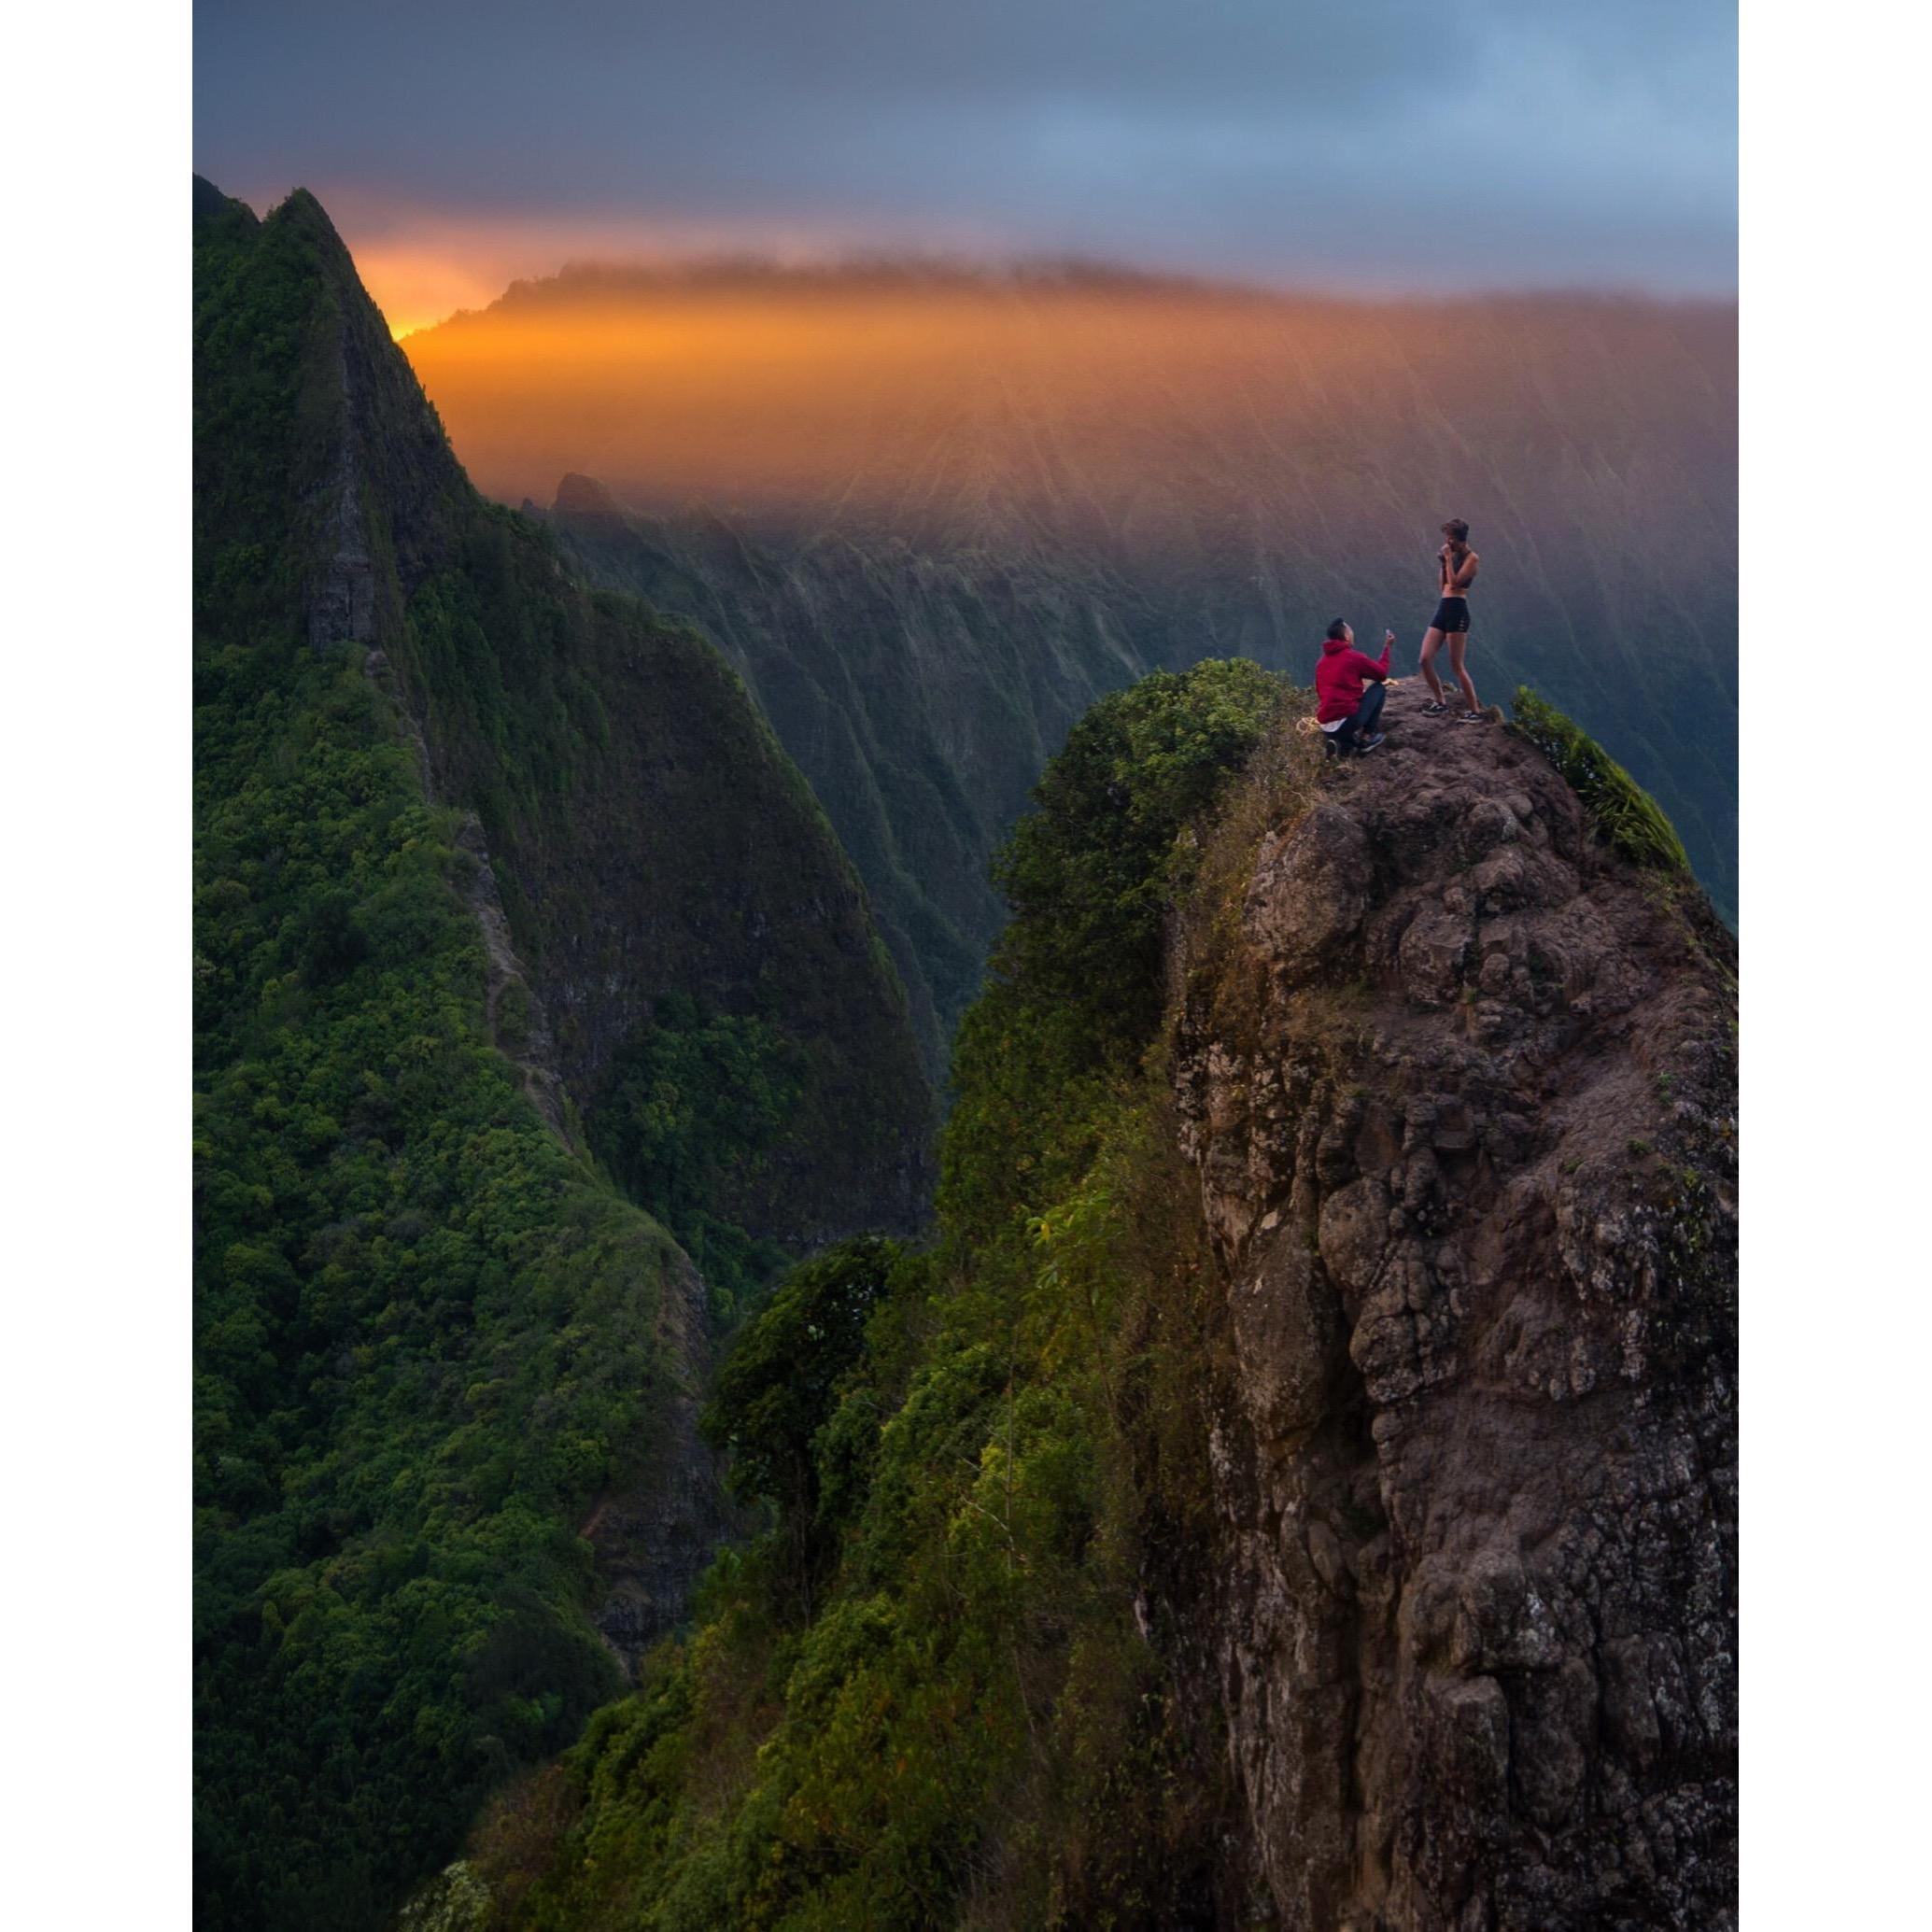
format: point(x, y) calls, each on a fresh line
point(1474, 1627)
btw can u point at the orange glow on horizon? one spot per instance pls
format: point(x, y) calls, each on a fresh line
point(818, 391)
point(416, 288)
point(422, 266)
point(1146, 414)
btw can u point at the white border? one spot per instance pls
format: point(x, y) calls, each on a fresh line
point(1834, 505)
point(94, 150)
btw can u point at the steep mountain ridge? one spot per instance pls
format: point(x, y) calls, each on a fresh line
point(1296, 1486)
point(496, 881)
point(537, 708)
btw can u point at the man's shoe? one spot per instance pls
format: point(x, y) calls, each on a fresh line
point(1370, 743)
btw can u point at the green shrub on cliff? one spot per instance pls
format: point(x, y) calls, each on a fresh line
point(777, 1389)
point(1625, 817)
point(1085, 874)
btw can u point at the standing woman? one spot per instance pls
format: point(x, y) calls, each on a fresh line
point(1456, 568)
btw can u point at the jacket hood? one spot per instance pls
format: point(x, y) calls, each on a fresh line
point(1329, 645)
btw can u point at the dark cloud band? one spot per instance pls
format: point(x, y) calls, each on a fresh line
point(1381, 143)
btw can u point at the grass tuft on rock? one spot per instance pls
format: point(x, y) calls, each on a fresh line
point(1620, 810)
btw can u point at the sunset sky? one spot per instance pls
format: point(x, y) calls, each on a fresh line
point(1350, 145)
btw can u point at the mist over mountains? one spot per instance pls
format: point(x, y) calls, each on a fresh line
point(931, 510)
point(1067, 398)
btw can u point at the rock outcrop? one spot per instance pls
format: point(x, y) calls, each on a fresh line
point(1461, 1095)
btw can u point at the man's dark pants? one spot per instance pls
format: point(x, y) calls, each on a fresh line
point(1362, 724)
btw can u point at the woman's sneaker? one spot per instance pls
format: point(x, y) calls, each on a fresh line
point(1468, 717)
point(1434, 708)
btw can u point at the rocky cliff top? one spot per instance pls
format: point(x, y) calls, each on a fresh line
point(1460, 1083)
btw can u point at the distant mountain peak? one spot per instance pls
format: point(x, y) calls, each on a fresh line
point(578, 495)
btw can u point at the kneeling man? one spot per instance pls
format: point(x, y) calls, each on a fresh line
point(1348, 712)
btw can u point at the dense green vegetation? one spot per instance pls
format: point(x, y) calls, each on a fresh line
point(1086, 875)
point(691, 1102)
point(423, 1335)
point(1624, 815)
point(428, 1333)
point(921, 1696)
point(624, 783)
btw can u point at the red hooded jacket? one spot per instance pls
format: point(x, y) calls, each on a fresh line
point(1338, 678)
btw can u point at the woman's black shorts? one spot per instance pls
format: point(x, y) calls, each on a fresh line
point(1451, 615)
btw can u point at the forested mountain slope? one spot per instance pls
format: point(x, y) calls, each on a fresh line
point(921, 695)
point(512, 920)
point(1298, 1488)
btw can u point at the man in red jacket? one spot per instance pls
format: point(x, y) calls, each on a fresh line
point(1348, 712)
